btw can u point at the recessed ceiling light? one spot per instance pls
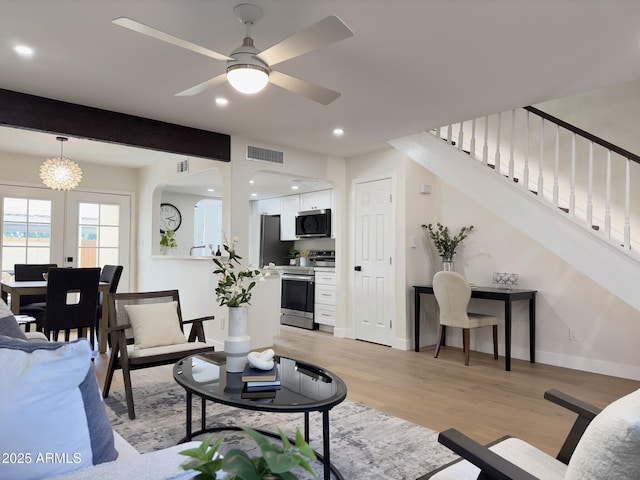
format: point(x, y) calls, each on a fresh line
point(23, 50)
point(294, 187)
point(222, 102)
point(251, 182)
point(210, 190)
point(254, 194)
point(338, 132)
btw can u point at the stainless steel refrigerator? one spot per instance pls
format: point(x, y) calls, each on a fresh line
point(272, 249)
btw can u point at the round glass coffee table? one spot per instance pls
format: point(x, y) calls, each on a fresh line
point(304, 388)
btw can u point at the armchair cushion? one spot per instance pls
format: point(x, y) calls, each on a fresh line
point(155, 324)
point(52, 407)
point(609, 447)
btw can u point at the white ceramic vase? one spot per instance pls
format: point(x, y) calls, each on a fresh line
point(237, 345)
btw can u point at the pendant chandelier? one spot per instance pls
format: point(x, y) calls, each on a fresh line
point(59, 173)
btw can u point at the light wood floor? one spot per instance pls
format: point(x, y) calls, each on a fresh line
point(482, 400)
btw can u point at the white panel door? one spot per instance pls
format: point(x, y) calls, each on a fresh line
point(374, 277)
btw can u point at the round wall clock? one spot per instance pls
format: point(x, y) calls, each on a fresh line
point(170, 217)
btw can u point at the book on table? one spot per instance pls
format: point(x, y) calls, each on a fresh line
point(266, 383)
point(251, 374)
point(260, 392)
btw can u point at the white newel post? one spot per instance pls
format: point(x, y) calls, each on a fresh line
point(237, 345)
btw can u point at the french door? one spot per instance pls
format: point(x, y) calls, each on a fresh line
point(72, 229)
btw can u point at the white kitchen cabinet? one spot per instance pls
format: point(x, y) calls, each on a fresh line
point(269, 206)
point(325, 298)
point(315, 200)
point(290, 205)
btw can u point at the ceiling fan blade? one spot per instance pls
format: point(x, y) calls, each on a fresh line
point(203, 86)
point(165, 37)
point(302, 87)
point(321, 34)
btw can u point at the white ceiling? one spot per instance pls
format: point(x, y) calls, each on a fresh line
point(410, 65)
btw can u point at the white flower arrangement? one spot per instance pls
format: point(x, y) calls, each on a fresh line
point(234, 287)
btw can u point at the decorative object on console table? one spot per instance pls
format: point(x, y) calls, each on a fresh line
point(445, 243)
point(234, 290)
point(505, 280)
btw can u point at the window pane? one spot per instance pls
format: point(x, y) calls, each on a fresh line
point(88, 235)
point(38, 255)
point(108, 256)
point(110, 215)
point(13, 255)
point(40, 211)
point(14, 234)
point(39, 235)
point(108, 237)
point(87, 257)
point(15, 209)
point(89, 213)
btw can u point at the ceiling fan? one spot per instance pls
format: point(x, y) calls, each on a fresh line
point(248, 69)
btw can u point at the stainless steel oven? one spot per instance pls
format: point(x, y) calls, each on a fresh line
point(297, 297)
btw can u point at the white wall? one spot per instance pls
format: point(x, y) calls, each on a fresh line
point(193, 277)
point(606, 327)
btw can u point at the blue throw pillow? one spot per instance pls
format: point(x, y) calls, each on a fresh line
point(52, 418)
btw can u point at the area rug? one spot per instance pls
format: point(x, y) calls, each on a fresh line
point(365, 443)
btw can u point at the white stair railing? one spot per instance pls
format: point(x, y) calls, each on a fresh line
point(590, 178)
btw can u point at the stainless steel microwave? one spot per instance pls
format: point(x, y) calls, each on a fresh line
point(313, 223)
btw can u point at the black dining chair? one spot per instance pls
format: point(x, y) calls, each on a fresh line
point(110, 274)
point(32, 305)
point(72, 295)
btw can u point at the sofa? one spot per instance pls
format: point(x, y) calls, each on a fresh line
point(53, 422)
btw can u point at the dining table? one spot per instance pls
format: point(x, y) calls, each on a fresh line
point(39, 287)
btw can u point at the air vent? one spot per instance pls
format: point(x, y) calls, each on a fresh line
point(183, 166)
point(264, 155)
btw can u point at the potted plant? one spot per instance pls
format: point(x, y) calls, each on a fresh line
point(168, 241)
point(276, 461)
point(445, 243)
point(293, 255)
point(234, 290)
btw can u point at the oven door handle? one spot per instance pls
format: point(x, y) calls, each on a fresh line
point(301, 278)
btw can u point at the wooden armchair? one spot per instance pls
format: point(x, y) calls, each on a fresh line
point(146, 330)
point(601, 444)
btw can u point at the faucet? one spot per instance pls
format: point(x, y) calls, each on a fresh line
point(194, 247)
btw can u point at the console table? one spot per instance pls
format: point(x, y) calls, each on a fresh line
point(508, 296)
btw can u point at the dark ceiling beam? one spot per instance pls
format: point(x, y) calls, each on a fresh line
point(30, 112)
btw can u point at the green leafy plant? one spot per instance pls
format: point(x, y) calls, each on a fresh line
point(276, 462)
point(293, 253)
point(168, 240)
point(443, 241)
point(234, 287)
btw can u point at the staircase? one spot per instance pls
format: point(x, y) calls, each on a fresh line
point(579, 210)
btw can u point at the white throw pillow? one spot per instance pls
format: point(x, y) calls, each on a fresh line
point(155, 324)
point(52, 418)
point(609, 447)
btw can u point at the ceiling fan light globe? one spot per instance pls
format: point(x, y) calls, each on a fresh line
point(247, 78)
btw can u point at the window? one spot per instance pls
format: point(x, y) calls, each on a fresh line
point(26, 232)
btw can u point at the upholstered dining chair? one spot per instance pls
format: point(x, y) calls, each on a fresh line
point(147, 330)
point(72, 294)
point(452, 292)
point(32, 305)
